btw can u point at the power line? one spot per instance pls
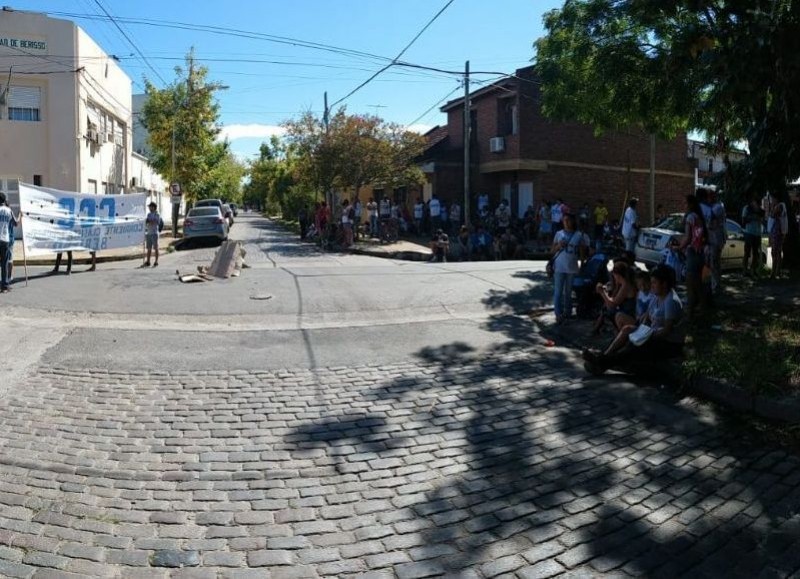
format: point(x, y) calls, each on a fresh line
point(396, 58)
point(436, 104)
point(131, 42)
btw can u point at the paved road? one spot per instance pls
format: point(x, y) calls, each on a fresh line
point(458, 446)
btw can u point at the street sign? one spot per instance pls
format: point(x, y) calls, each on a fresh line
point(175, 188)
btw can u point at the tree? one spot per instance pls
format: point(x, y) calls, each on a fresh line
point(272, 180)
point(224, 176)
point(354, 151)
point(185, 114)
point(727, 68)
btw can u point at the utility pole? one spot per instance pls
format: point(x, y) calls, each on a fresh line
point(652, 177)
point(467, 128)
point(326, 119)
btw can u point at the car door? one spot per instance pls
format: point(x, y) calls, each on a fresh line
point(733, 252)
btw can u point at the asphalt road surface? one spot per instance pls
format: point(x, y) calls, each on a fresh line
point(372, 418)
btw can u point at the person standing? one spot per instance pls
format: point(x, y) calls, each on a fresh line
point(7, 223)
point(583, 219)
point(419, 213)
point(556, 215)
point(436, 213)
point(600, 220)
point(455, 216)
point(372, 212)
point(569, 246)
point(779, 218)
point(347, 223)
point(502, 216)
point(694, 244)
point(153, 224)
point(302, 219)
point(357, 211)
point(483, 202)
point(753, 221)
point(545, 224)
point(630, 225)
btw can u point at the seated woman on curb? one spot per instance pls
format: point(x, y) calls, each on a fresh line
point(663, 317)
point(619, 304)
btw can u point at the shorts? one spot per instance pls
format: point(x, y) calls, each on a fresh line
point(151, 240)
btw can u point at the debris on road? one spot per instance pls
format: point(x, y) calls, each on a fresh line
point(228, 262)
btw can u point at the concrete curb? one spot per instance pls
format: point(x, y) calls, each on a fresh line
point(401, 255)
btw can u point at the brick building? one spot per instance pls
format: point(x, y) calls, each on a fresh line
point(519, 155)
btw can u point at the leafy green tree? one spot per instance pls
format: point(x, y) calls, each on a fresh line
point(185, 114)
point(726, 68)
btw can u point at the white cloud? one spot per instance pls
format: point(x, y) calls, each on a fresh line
point(419, 128)
point(250, 131)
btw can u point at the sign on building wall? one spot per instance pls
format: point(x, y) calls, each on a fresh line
point(23, 43)
point(56, 220)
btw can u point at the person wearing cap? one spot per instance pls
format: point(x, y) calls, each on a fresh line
point(152, 226)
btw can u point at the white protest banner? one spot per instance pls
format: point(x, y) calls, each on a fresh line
point(56, 220)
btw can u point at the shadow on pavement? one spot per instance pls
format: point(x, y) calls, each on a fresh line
point(517, 460)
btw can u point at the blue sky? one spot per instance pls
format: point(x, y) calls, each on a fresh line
point(494, 36)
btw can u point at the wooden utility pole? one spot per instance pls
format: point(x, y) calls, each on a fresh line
point(467, 127)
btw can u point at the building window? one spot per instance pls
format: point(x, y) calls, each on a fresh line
point(37, 180)
point(24, 103)
point(711, 165)
point(507, 123)
point(93, 186)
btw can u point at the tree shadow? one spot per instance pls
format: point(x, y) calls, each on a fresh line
point(521, 459)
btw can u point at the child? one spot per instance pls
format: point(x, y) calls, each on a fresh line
point(673, 257)
point(644, 296)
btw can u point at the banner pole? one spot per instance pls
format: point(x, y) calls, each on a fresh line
point(24, 258)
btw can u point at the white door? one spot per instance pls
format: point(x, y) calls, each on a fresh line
point(525, 198)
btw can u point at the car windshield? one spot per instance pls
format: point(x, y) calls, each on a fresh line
point(672, 223)
point(204, 212)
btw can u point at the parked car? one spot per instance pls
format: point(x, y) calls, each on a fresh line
point(235, 209)
point(205, 223)
point(228, 213)
point(653, 241)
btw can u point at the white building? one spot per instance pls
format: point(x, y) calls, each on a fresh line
point(66, 110)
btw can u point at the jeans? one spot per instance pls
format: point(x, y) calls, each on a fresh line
point(562, 299)
point(373, 225)
point(4, 257)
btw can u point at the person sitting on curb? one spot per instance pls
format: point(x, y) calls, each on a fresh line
point(663, 336)
point(440, 246)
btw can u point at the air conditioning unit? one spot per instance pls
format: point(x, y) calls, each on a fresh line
point(92, 135)
point(497, 144)
point(109, 137)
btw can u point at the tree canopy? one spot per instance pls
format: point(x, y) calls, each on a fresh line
point(727, 68)
point(188, 111)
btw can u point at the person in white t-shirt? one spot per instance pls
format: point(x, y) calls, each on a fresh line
point(569, 245)
point(503, 217)
point(630, 225)
point(455, 216)
point(556, 215)
point(7, 223)
point(419, 215)
point(435, 207)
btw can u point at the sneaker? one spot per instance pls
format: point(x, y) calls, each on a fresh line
point(146, 264)
point(155, 264)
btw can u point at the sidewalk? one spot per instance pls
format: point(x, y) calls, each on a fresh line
point(402, 249)
point(84, 257)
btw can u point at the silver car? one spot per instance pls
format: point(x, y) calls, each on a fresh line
point(205, 223)
point(653, 241)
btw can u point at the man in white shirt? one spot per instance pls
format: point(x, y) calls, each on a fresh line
point(630, 225)
point(556, 215)
point(7, 222)
point(419, 214)
point(435, 208)
point(503, 217)
point(372, 210)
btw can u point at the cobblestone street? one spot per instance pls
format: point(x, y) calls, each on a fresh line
point(474, 466)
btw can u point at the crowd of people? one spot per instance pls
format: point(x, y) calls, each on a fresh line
point(643, 308)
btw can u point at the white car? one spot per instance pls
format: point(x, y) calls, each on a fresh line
point(653, 241)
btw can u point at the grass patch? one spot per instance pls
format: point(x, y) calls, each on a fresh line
point(755, 348)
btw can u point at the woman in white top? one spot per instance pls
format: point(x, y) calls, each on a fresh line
point(569, 245)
